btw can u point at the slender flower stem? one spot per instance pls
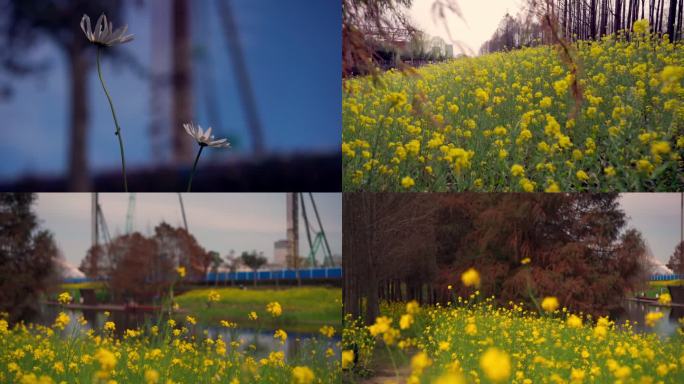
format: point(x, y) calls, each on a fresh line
point(194, 167)
point(117, 131)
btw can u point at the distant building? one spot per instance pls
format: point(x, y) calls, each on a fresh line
point(449, 51)
point(337, 260)
point(281, 250)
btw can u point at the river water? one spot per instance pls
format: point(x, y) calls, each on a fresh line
point(261, 338)
point(636, 311)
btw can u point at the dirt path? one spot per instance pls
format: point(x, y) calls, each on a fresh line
point(385, 374)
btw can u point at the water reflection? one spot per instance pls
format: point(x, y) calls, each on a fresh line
point(635, 311)
point(259, 343)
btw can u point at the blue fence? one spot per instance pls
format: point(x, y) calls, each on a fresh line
point(73, 280)
point(279, 274)
point(666, 277)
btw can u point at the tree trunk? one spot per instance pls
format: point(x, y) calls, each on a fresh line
point(679, 20)
point(592, 20)
point(79, 180)
point(616, 24)
point(661, 5)
point(604, 18)
point(671, 20)
point(372, 305)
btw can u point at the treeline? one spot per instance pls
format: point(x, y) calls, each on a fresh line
point(401, 247)
point(28, 257)
point(583, 20)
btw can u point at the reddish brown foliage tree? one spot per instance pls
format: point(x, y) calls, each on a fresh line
point(578, 254)
point(140, 268)
point(138, 272)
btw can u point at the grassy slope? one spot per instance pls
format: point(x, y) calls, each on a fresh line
point(304, 309)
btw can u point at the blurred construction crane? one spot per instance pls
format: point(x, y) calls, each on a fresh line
point(318, 243)
point(100, 231)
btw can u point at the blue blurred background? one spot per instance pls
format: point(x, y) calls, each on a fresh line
point(289, 49)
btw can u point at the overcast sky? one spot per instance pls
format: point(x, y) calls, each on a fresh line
point(480, 20)
point(222, 222)
point(657, 216)
point(219, 221)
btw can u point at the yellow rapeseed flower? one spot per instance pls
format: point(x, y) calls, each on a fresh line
point(64, 298)
point(280, 335)
point(652, 318)
point(550, 304)
point(327, 331)
point(61, 321)
point(274, 309)
point(640, 26)
point(407, 182)
point(582, 176)
point(412, 307)
point(405, 321)
point(151, 376)
point(517, 170)
point(109, 326)
point(419, 362)
point(106, 359)
point(382, 325)
point(347, 359)
point(665, 299)
point(181, 272)
point(574, 321)
point(471, 278)
point(213, 296)
point(302, 375)
point(496, 364)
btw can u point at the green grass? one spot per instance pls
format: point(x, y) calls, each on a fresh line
point(304, 309)
point(673, 283)
point(77, 286)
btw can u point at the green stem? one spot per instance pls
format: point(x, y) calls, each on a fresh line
point(194, 167)
point(117, 131)
point(394, 364)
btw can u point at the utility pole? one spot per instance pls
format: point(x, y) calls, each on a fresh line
point(293, 233)
point(185, 222)
point(93, 219)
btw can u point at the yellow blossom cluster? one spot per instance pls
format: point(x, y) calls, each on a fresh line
point(477, 340)
point(518, 123)
point(36, 354)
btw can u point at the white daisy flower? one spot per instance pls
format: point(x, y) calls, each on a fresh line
point(104, 33)
point(205, 139)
